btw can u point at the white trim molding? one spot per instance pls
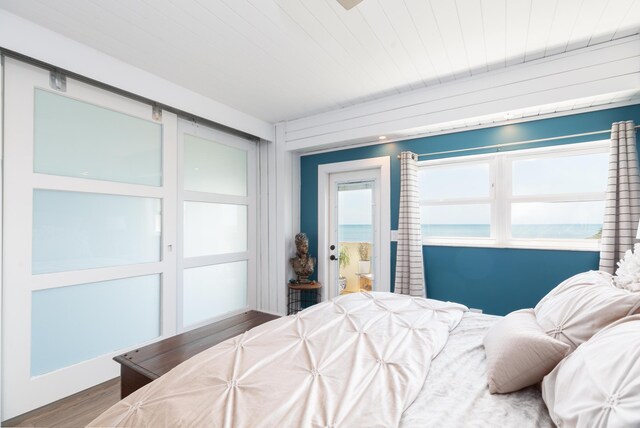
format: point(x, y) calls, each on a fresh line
point(324, 171)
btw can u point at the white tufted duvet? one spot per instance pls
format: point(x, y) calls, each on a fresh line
point(358, 360)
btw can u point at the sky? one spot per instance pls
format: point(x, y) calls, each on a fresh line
point(354, 206)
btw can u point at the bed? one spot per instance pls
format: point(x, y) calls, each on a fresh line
point(367, 359)
point(455, 393)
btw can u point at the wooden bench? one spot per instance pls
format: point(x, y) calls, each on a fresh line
point(143, 365)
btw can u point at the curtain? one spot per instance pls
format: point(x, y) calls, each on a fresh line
point(409, 267)
point(622, 209)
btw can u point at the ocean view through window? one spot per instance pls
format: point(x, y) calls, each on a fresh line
point(362, 232)
point(544, 197)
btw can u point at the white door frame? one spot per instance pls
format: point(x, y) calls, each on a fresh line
point(324, 171)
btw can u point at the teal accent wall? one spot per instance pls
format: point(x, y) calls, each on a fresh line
point(496, 280)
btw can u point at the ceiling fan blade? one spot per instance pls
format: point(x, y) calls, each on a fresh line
point(348, 4)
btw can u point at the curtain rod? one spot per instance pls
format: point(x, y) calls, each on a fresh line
point(517, 143)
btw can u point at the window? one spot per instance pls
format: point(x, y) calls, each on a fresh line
point(550, 197)
point(457, 199)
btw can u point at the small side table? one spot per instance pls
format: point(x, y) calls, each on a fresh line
point(303, 295)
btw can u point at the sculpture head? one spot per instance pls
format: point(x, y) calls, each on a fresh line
point(302, 243)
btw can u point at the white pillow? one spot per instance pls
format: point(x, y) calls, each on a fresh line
point(519, 353)
point(582, 305)
point(628, 272)
point(599, 384)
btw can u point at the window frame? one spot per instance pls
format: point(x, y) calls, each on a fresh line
point(501, 167)
point(488, 159)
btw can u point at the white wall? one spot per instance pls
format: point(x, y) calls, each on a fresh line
point(280, 221)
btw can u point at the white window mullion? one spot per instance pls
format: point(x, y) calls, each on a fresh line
point(503, 201)
point(494, 172)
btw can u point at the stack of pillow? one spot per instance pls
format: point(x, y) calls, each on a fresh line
point(584, 340)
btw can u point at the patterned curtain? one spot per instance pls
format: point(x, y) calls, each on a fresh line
point(622, 209)
point(409, 267)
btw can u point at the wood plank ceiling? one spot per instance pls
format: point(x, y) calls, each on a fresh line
point(284, 59)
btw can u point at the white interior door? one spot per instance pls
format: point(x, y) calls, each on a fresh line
point(217, 246)
point(90, 230)
point(354, 231)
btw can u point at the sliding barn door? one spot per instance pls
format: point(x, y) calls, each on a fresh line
point(217, 215)
point(90, 234)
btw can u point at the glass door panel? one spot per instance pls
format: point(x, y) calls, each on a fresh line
point(76, 323)
point(211, 229)
point(211, 291)
point(354, 231)
point(78, 230)
point(212, 167)
point(217, 254)
point(355, 236)
point(78, 139)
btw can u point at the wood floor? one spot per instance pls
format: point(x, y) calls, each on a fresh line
point(74, 411)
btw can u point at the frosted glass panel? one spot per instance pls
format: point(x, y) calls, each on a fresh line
point(74, 230)
point(73, 324)
point(211, 229)
point(214, 168)
point(78, 139)
point(210, 291)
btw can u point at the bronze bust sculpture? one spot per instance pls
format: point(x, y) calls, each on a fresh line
point(302, 264)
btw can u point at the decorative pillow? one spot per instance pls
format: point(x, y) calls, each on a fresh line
point(628, 272)
point(599, 384)
point(582, 305)
point(519, 353)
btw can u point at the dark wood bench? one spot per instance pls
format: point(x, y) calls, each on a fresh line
point(143, 365)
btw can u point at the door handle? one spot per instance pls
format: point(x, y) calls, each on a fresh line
point(332, 247)
point(332, 258)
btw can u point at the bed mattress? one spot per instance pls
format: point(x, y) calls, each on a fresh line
point(455, 393)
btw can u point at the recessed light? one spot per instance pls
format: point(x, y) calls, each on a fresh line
point(382, 137)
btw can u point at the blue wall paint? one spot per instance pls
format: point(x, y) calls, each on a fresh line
point(493, 279)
